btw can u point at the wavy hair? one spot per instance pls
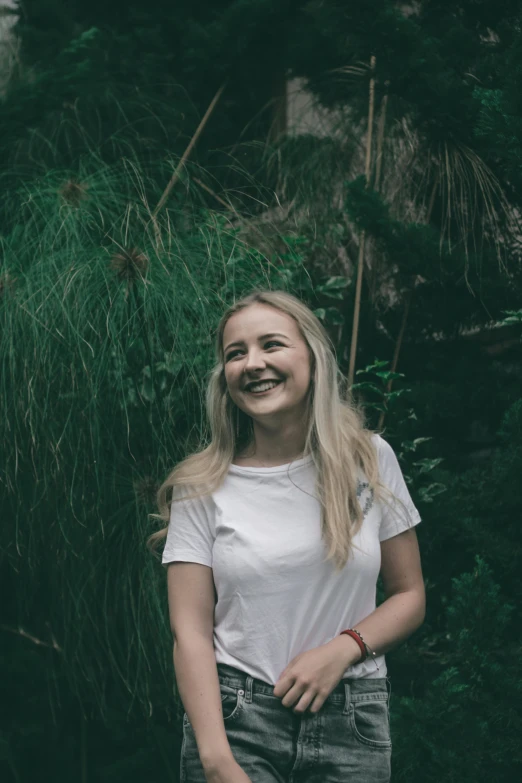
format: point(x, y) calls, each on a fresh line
point(336, 436)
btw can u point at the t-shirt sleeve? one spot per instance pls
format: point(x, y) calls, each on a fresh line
point(191, 531)
point(396, 516)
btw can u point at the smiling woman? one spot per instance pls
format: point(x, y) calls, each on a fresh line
point(278, 530)
point(269, 380)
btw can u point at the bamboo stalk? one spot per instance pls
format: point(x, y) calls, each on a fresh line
point(360, 260)
point(398, 344)
point(188, 150)
point(371, 105)
point(377, 182)
point(215, 195)
point(357, 309)
point(380, 141)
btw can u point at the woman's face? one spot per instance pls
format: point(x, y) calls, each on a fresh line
point(261, 343)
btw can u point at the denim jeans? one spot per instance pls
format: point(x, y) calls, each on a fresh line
point(347, 741)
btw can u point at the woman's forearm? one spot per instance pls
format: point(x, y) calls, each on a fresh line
point(386, 627)
point(198, 685)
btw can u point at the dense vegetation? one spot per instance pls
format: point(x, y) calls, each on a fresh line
point(118, 252)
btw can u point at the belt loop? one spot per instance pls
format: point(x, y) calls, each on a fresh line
point(347, 697)
point(248, 688)
point(388, 688)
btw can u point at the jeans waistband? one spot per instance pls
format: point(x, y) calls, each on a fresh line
point(235, 678)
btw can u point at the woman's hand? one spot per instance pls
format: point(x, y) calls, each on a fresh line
point(311, 676)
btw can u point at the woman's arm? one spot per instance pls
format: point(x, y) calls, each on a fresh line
point(404, 609)
point(191, 609)
point(311, 676)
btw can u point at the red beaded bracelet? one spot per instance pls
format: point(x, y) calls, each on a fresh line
point(365, 649)
point(358, 639)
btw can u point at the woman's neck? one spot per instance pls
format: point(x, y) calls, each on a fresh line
point(256, 462)
point(268, 450)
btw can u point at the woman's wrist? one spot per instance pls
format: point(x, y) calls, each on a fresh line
point(348, 648)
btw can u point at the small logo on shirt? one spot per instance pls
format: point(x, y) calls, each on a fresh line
point(365, 496)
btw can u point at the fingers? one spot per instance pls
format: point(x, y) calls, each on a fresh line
point(299, 701)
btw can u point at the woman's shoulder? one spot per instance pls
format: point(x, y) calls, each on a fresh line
point(382, 446)
point(386, 457)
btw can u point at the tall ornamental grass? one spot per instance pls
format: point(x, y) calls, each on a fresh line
point(107, 317)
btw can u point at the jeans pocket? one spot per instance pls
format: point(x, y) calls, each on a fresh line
point(232, 701)
point(369, 720)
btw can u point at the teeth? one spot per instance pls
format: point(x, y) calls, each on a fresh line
point(263, 386)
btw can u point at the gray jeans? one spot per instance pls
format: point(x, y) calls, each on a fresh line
point(348, 740)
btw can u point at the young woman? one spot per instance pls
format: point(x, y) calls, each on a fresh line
point(277, 533)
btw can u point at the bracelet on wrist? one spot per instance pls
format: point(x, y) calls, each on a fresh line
point(365, 649)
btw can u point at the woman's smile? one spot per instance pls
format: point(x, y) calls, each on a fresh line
point(262, 389)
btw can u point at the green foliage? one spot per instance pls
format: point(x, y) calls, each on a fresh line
point(375, 392)
point(412, 248)
point(499, 124)
point(107, 318)
point(454, 667)
point(512, 317)
point(471, 634)
point(107, 339)
point(376, 396)
point(452, 733)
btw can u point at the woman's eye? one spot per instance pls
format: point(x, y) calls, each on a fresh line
point(233, 353)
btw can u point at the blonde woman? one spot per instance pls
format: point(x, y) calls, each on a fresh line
point(277, 533)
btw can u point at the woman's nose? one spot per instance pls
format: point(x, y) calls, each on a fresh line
point(254, 360)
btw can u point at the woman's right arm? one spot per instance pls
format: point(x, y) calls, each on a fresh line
point(191, 609)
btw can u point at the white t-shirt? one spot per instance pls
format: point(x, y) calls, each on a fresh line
point(260, 532)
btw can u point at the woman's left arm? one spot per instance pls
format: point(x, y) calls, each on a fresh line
point(311, 676)
point(404, 609)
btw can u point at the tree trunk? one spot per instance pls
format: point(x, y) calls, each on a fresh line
point(360, 261)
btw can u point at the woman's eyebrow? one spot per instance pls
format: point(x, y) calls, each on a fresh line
point(263, 337)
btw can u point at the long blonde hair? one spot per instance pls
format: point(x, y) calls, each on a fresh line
point(336, 436)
